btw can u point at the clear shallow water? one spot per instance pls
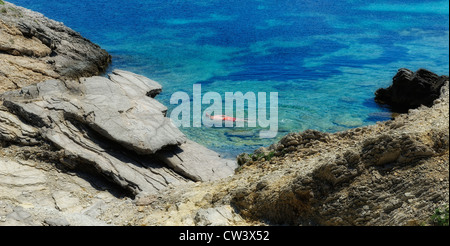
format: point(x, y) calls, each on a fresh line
point(324, 58)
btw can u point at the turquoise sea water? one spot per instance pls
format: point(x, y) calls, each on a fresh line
point(324, 58)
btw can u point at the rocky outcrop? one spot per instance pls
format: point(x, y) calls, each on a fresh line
point(34, 48)
point(38, 193)
point(411, 90)
point(113, 126)
point(63, 130)
point(62, 137)
point(35, 194)
point(391, 173)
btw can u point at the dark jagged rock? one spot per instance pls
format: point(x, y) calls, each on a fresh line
point(410, 90)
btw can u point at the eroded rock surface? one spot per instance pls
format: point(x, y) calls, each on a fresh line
point(34, 48)
point(113, 125)
point(391, 173)
point(59, 140)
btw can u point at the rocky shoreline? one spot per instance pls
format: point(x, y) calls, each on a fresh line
point(83, 149)
point(34, 48)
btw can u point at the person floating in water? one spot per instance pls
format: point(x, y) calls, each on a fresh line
point(224, 118)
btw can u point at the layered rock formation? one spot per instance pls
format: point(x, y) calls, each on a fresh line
point(392, 173)
point(63, 131)
point(34, 48)
point(83, 150)
point(112, 126)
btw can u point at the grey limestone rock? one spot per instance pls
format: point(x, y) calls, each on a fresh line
point(114, 126)
point(197, 162)
point(71, 54)
point(133, 120)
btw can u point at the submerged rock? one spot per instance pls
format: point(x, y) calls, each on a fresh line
point(410, 90)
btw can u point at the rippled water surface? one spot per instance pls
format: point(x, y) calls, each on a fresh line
point(324, 58)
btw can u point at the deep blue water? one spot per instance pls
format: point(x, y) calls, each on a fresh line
point(324, 58)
